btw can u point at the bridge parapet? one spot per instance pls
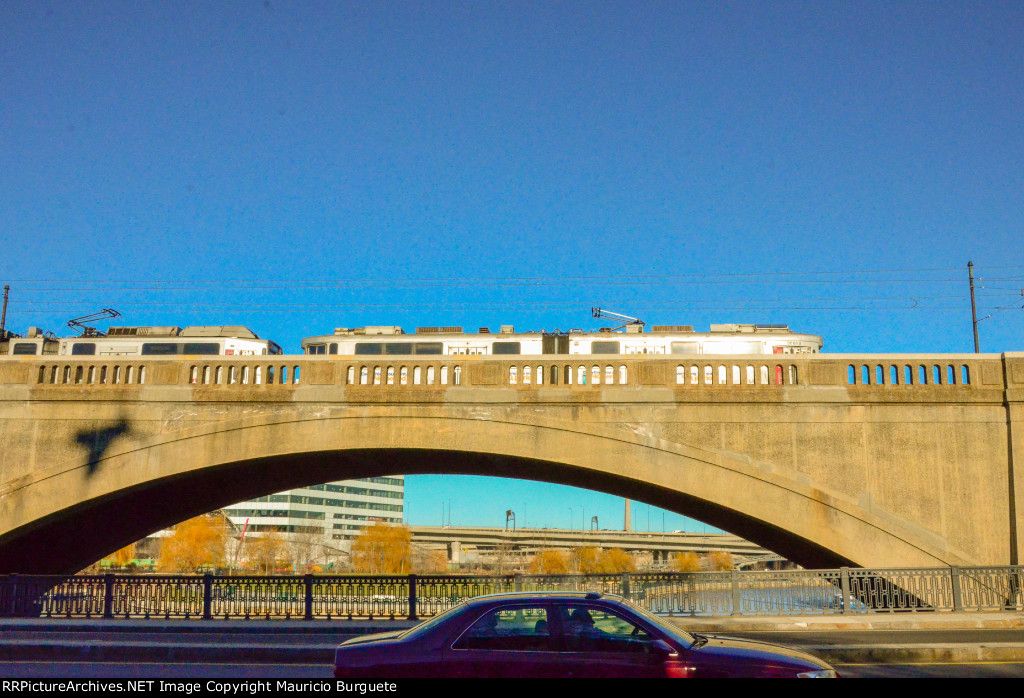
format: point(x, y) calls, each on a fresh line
point(860, 372)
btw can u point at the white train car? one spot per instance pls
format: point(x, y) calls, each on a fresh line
point(227, 340)
point(34, 343)
point(660, 339)
point(199, 340)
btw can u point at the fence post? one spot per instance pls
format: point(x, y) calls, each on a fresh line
point(844, 586)
point(625, 586)
point(737, 605)
point(309, 598)
point(207, 596)
point(518, 581)
point(108, 596)
point(412, 598)
point(954, 580)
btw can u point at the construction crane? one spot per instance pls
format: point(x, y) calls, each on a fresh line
point(598, 313)
point(78, 324)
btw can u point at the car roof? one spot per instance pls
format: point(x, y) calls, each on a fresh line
point(519, 596)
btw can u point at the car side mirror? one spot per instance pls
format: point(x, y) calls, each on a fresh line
point(662, 651)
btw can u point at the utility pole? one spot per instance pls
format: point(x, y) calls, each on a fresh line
point(3, 318)
point(974, 310)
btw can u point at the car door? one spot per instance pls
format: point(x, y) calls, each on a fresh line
point(601, 642)
point(508, 641)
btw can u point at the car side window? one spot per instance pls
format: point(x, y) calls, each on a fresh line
point(592, 629)
point(523, 629)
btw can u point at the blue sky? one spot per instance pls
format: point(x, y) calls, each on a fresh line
point(298, 166)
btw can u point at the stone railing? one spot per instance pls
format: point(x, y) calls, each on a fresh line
point(578, 373)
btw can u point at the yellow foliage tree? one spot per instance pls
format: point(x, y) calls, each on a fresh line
point(195, 544)
point(123, 557)
point(550, 562)
point(615, 560)
point(720, 560)
point(585, 560)
point(266, 552)
point(382, 549)
point(686, 562)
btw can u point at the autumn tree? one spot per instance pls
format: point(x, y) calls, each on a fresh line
point(686, 562)
point(584, 560)
point(720, 560)
point(194, 545)
point(615, 560)
point(550, 562)
point(382, 549)
point(123, 557)
point(267, 551)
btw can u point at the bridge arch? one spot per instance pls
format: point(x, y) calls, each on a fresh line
point(62, 518)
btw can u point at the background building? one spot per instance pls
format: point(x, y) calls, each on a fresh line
point(333, 510)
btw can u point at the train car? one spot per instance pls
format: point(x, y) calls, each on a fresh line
point(226, 340)
point(660, 339)
point(34, 343)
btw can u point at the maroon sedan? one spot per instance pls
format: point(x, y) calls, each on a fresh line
point(562, 634)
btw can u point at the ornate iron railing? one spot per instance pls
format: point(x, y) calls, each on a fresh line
point(789, 592)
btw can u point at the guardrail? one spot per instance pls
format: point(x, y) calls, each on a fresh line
point(788, 592)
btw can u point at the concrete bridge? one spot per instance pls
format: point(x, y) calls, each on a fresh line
point(829, 460)
point(531, 540)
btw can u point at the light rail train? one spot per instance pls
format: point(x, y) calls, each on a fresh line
point(226, 340)
point(661, 339)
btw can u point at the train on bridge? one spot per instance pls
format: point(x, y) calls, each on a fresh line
point(370, 341)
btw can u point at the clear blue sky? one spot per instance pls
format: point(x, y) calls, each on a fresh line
point(298, 166)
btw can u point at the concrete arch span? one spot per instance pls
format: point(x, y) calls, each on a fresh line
point(65, 517)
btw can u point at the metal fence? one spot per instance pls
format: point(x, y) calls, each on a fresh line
point(749, 593)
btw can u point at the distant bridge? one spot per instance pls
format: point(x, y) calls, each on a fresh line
point(534, 539)
point(829, 460)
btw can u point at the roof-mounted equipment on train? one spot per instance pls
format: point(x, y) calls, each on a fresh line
point(632, 324)
point(78, 323)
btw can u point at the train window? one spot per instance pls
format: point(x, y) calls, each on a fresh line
point(159, 348)
point(399, 348)
point(314, 349)
point(205, 348)
point(506, 348)
point(604, 348)
point(333, 348)
point(429, 348)
point(83, 349)
point(24, 348)
point(370, 348)
point(685, 347)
